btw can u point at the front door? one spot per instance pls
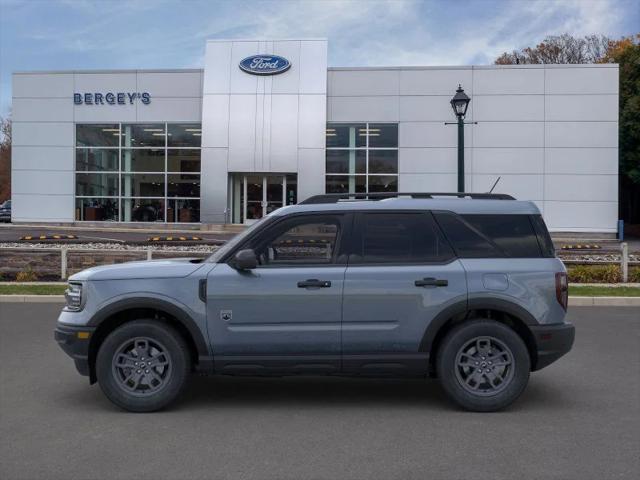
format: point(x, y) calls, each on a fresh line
point(401, 274)
point(285, 315)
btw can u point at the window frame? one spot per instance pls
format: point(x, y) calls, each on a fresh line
point(276, 227)
point(121, 173)
point(366, 148)
point(358, 232)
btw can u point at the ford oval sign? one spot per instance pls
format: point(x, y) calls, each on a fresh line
point(265, 64)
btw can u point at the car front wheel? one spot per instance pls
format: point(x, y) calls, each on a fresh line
point(483, 365)
point(143, 365)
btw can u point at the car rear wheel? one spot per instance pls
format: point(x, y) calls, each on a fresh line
point(143, 365)
point(483, 365)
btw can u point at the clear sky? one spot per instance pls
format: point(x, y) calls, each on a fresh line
point(106, 34)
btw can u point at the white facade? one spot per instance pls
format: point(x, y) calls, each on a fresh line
point(549, 131)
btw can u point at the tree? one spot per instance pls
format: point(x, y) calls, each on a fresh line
point(560, 49)
point(626, 53)
point(5, 159)
point(600, 49)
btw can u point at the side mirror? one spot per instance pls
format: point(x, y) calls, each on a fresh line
point(245, 260)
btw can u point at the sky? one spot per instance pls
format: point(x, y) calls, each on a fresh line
point(114, 34)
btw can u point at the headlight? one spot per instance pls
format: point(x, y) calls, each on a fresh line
point(73, 297)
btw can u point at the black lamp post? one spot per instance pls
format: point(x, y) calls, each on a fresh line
point(460, 103)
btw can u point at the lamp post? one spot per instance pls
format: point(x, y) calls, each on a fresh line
point(460, 103)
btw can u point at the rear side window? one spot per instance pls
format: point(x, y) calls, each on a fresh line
point(401, 238)
point(466, 240)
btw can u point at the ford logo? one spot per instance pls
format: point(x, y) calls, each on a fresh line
point(265, 64)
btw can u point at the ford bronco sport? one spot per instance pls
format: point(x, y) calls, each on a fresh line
point(462, 287)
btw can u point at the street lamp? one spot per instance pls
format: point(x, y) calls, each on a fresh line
point(460, 103)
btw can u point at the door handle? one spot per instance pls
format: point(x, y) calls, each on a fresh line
point(431, 282)
point(314, 283)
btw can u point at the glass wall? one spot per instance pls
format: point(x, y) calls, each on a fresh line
point(138, 172)
point(362, 157)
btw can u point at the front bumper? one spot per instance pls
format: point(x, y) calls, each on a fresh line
point(75, 343)
point(552, 342)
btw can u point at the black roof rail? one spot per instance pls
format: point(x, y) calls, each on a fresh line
point(336, 197)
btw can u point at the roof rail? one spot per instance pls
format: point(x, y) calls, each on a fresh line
point(336, 197)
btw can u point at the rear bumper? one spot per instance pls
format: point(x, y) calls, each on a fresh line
point(74, 345)
point(552, 342)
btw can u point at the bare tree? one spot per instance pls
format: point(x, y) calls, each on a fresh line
point(563, 48)
point(5, 158)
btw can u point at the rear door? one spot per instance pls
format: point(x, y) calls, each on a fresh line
point(401, 274)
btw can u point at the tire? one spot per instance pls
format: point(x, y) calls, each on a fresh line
point(141, 385)
point(483, 365)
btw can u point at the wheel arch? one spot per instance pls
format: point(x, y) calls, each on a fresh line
point(120, 312)
point(503, 311)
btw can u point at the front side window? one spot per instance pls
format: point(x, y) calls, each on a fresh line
point(361, 157)
point(146, 172)
point(400, 238)
point(310, 241)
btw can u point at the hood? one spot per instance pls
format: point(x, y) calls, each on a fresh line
point(168, 268)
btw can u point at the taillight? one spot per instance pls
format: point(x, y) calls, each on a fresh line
point(562, 289)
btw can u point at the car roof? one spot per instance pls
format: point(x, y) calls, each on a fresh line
point(456, 205)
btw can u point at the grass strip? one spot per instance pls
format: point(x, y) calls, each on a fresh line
point(32, 289)
point(597, 291)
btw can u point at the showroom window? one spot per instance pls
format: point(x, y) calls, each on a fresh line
point(143, 172)
point(361, 157)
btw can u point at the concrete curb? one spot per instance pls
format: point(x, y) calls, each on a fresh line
point(604, 301)
point(573, 301)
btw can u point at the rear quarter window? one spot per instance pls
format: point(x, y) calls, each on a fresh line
point(514, 234)
point(490, 236)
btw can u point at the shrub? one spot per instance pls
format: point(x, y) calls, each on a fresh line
point(594, 273)
point(27, 275)
point(634, 274)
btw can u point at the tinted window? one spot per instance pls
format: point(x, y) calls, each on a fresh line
point(301, 241)
point(467, 242)
point(383, 135)
point(104, 135)
point(399, 238)
point(544, 239)
point(346, 135)
point(144, 135)
point(512, 233)
point(184, 135)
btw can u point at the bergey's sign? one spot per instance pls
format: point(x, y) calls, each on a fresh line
point(265, 64)
point(110, 98)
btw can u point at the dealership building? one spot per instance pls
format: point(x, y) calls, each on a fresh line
point(268, 123)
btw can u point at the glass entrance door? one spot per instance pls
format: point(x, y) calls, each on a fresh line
point(256, 195)
point(275, 187)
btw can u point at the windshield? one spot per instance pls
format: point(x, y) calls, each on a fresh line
point(235, 241)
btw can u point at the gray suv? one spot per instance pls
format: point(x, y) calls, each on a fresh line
point(462, 287)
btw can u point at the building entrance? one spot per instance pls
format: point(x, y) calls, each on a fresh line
point(255, 195)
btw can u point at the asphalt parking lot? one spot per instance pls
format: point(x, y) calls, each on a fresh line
point(579, 418)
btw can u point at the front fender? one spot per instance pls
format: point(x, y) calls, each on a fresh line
point(183, 314)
